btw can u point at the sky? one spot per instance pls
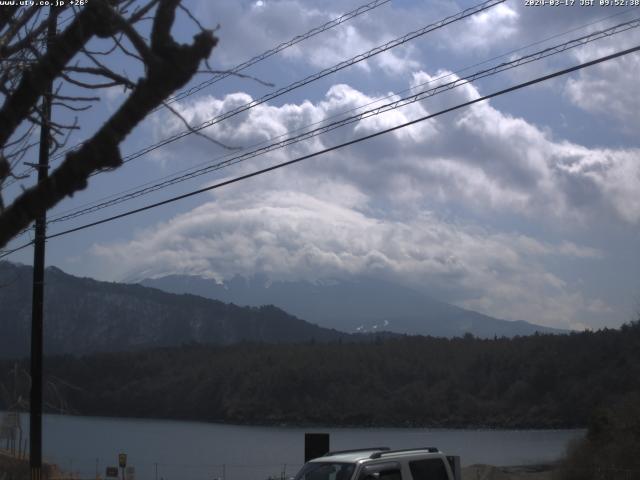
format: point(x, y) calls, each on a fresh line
point(523, 207)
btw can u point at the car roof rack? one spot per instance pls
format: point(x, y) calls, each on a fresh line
point(418, 449)
point(356, 450)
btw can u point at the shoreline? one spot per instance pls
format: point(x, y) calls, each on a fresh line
point(312, 425)
point(541, 471)
point(20, 466)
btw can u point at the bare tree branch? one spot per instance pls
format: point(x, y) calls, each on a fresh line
point(141, 12)
point(6, 14)
point(76, 98)
point(191, 16)
point(8, 50)
point(103, 72)
point(237, 74)
point(125, 50)
point(89, 86)
point(65, 46)
point(199, 133)
point(169, 66)
point(15, 27)
point(138, 42)
point(70, 107)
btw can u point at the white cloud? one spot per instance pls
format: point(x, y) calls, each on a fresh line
point(479, 158)
point(615, 174)
point(343, 43)
point(485, 29)
point(493, 210)
point(292, 235)
point(610, 88)
point(365, 209)
point(285, 19)
point(113, 97)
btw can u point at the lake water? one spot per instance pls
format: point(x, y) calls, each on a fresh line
point(175, 450)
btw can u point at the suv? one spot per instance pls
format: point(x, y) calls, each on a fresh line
point(381, 463)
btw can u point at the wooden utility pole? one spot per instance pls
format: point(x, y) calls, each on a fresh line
point(35, 426)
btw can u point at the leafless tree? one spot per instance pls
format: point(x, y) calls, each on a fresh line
point(77, 59)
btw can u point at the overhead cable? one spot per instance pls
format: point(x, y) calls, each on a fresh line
point(295, 40)
point(258, 58)
point(350, 142)
point(354, 109)
point(339, 146)
point(401, 102)
point(314, 77)
point(264, 55)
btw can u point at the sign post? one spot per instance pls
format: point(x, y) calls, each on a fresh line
point(122, 462)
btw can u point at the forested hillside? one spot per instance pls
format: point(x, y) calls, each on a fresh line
point(86, 316)
point(537, 381)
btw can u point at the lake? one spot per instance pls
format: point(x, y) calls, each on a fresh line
point(173, 450)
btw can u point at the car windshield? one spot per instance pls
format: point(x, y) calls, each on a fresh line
point(326, 471)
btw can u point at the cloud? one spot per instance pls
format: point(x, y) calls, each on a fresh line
point(485, 30)
point(611, 88)
point(369, 209)
point(478, 158)
point(294, 235)
point(282, 20)
point(612, 174)
point(607, 89)
point(523, 168)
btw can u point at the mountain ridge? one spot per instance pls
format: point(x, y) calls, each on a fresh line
point(360, 305)
point(84, 316)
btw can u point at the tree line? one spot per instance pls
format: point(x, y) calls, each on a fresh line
point(540, 381)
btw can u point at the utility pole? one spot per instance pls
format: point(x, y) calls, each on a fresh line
point(35, 426)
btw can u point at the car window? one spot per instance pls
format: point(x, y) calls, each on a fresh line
point(387, 471)
point(326, 471)
point(390, 475)
point(429, 469)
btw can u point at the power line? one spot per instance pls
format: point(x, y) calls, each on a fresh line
point(6, 253)
point(295, 40)
point(263, 56)
point(314, 77)
point(351, 142)
point(339, 146)
point(379, 99)
point(317, 76)
point(64, 152)
point(536, 56)
point(172, 179)
point(258, 58)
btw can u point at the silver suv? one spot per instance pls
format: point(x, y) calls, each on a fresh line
point(381, 463)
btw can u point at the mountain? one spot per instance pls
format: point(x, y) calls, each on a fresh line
point(85, 316)
point(359, 305)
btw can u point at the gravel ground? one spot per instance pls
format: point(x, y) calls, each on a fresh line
point(489, 472)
